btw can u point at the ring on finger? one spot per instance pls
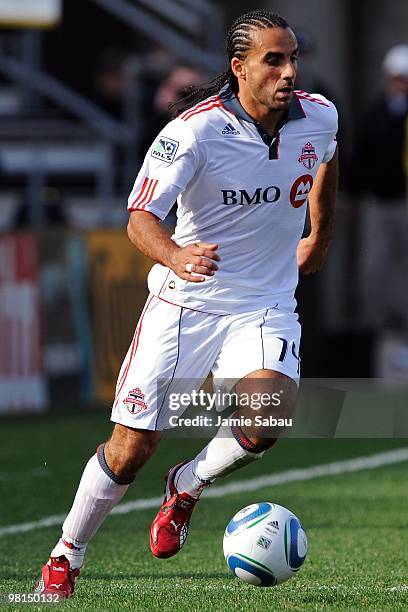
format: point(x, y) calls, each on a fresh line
point(189, 267)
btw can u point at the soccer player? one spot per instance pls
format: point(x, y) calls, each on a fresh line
point(242, 158)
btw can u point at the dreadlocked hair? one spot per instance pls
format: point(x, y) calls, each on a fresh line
point(237, 43)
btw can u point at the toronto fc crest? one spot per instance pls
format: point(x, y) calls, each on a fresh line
point(308, 157)
point(134, 401)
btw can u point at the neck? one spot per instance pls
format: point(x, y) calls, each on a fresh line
point(269, 119)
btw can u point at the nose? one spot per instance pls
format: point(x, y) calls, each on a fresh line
point(288, 71)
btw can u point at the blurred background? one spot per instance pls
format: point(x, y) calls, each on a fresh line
point(85, 87)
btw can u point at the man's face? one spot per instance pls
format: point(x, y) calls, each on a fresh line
point(269, 70)
point(398, 85)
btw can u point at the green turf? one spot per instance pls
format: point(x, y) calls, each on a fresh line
point(356, 525)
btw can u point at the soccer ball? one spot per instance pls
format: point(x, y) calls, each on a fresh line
point(265, 544)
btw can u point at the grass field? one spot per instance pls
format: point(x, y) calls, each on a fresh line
point(356, 525)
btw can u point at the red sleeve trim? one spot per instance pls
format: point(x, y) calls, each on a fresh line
point(145, 195)
point(197, 106)
point(202, 108)
point(303, 95)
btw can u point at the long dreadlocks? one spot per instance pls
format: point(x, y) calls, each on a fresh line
point(237, 43)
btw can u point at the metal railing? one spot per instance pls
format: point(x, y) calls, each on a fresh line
point(192, 31)
point(191, 19)
point(65, 97)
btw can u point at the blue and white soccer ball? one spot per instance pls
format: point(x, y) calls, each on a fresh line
point(265, 544)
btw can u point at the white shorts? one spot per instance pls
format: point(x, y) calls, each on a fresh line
point(175, 348)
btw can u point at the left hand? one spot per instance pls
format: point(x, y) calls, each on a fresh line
point(311, 255)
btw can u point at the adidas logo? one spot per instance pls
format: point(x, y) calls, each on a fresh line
point(230, 130)
point(274, 524)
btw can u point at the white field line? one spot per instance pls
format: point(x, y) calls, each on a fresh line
point(242, 486)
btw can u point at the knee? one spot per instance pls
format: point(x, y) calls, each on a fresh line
point(127, 450)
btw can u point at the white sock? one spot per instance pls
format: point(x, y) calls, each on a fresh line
point(223, 455)
point(97, 494)
point(75, 555)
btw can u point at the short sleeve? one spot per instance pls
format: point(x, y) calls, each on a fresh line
point(330, 151)
point(333, 124)
point(169, 165)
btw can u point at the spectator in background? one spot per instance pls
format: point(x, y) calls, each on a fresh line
point(172, 88)
point(378, 162)
point(167, 92)
point(378, 177)
point(112, 80)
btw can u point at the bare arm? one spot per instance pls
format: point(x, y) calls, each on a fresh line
point(146, 232)
point(312, 250)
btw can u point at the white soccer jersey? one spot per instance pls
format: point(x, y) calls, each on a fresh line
point(239, 188)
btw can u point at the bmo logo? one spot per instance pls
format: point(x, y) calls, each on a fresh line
point(300, 190)
point(242, 197)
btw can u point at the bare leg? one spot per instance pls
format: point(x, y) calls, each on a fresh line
point(127, 450)
point(105, 480)
point(268, 383)
point(233, 447)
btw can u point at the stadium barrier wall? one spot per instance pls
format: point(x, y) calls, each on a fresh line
point(117, 285)
point(69, 303)
point(22, 377)
point(66, 325)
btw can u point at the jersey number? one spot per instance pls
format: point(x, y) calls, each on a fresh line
point(284, 351)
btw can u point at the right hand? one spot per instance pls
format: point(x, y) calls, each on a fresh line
point(203, 257)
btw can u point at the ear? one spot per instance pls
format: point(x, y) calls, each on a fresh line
point(238, 68)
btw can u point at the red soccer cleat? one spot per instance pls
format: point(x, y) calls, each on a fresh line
point(57, 578)
point(169, 529)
